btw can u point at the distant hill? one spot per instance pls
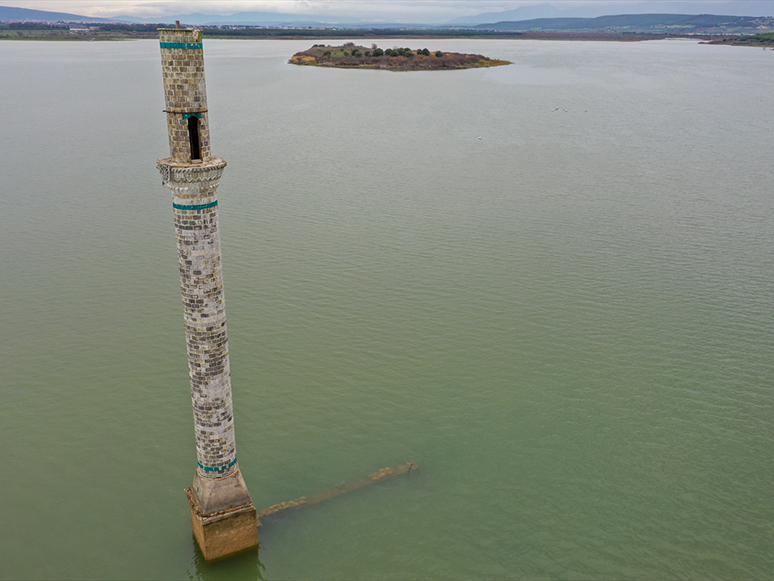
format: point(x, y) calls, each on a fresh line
point(592, 10)
point(243, 18)
point(516, 15)
point(622, 23)
point(9, 13)
point(655, 23)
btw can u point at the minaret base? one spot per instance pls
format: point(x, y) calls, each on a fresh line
point(218, 494)
point(225, 533)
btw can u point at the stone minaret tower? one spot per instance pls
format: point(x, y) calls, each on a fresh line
point(223, 515)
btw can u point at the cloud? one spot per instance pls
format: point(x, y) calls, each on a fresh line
point(392, 10)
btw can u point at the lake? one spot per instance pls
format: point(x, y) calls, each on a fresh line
point(550, 285)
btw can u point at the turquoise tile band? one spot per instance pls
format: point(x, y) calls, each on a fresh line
point(194, 206)
point(220, 469)
point(188, 45)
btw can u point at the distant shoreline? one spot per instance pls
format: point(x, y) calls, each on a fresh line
point(765, 40)
point(149, 32)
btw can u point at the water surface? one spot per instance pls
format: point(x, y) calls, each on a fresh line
point(549, 284)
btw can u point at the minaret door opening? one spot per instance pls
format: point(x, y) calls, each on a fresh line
point(193, 136)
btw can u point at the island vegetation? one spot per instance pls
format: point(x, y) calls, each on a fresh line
point(763, 40)
point(350, 55)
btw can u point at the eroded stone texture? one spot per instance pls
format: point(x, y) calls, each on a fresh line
point(182, 62)
point(193, 180)
point(204, 310)
point(226, 533)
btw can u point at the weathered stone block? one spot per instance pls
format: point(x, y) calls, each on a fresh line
point(225, 533)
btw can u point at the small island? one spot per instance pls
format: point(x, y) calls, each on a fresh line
point(352, 56)
point(764, 40)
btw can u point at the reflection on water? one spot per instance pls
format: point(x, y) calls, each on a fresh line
point(247, 565)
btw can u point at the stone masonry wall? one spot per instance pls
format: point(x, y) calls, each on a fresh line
point(182, 63)
point(194, 198)
point(194, 202)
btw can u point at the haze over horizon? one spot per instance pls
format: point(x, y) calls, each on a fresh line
point(399, 11)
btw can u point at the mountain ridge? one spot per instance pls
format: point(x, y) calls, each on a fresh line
point(672, 23)
point(10, 13)
point(751, 8)
point(649, 23)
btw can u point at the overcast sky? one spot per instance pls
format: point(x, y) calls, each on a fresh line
point(391, 10)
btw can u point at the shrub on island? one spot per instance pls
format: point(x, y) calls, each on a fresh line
point(350, 55)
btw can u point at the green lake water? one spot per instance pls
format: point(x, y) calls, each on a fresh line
point(550, 284)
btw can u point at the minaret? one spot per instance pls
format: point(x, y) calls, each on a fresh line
point(222, 512)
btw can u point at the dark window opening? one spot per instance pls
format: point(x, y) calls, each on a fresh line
point(193, 135)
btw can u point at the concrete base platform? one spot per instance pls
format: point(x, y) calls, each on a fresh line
point(224, 533)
